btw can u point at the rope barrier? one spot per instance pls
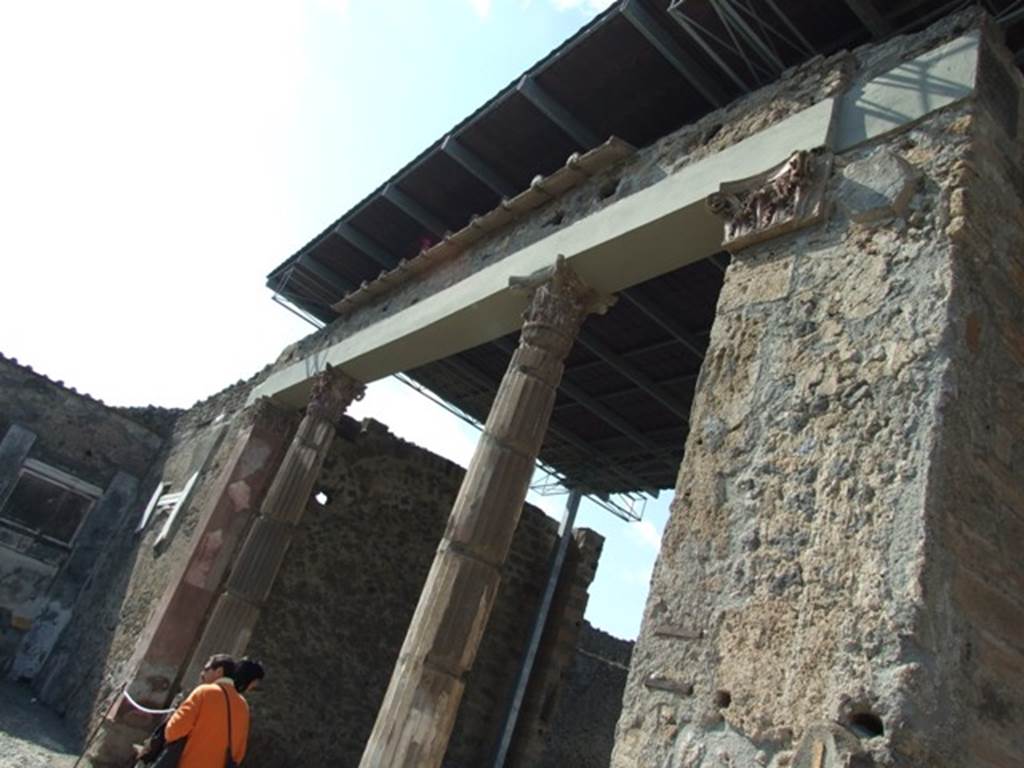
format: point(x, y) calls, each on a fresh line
point(145, 710)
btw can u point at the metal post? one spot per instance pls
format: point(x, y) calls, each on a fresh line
point(558, 560)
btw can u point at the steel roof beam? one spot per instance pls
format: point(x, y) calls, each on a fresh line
point(668, 323)
point(642, 380)
point(869, 16)
point(674, 53)
point(637, 352)
point(365, 245)
point(676, 11)
point(685, 378)
point(313, 291)
point(335, 282)
point(548, 106)
point(657, 346)
point(407, 205)
point(609, 442)
point(609, 416)
point(473, 163)
point(759, 44)
point(470, 372)
point(603, 412)
point(808, 49)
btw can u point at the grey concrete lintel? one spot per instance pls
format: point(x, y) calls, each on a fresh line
point(654, 231)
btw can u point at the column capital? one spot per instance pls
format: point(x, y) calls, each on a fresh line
point(786, 197)
point(559, 302)
point(266, 411)
point(333, 392)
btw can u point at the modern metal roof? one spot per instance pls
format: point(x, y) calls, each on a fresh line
point(620, 421)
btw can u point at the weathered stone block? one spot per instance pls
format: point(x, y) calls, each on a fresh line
point(878, 187)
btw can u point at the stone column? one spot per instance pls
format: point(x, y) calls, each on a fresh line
point(164, 644)
point(253, 572)
point(422, 700)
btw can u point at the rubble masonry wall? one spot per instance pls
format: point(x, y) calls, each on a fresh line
point(838, 546)
point(331, 630)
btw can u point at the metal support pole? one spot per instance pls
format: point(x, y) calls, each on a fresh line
point(554, 575)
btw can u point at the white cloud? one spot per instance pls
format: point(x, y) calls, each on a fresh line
point(340, 7)
point(481, 8)
point(412, 417)
point(637, 576)
point(645, 532)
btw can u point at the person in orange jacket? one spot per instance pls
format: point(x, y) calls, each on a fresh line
point(203, 718)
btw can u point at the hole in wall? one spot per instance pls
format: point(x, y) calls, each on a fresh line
point(867, 725)
point(556, 220)
point(723, 699)
point(608, 189)
point(321, 498)
point(710, 133)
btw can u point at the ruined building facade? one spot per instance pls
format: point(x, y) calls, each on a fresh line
point(122, 600)
point(838, 584)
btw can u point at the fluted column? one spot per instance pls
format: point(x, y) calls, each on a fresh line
point(422, 700)
point(253, 573)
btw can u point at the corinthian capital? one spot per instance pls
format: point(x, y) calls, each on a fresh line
point(783, 198)
point(559, 302)
point(332, 394)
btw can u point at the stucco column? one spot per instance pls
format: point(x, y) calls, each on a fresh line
point(253, 572)
point(422, 700)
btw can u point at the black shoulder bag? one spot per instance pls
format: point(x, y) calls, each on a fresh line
point(229, 760)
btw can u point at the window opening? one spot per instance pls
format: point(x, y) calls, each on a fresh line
point(48, 503)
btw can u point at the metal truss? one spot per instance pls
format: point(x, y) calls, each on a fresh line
point(758, 37)
point(548, 481)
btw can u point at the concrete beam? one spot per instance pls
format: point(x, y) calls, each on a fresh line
point(656, 230)
point(908, 92)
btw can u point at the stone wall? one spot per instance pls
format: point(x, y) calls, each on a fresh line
point(74, 431)
point(972, 636)
point(835, 583)
point(78, 435)
point(338, 612)
point(345, 595)
point(90, 664)
point(581, 730)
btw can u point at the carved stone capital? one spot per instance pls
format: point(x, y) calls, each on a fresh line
point(559, 302)
point(784, 198)
point(332, 394)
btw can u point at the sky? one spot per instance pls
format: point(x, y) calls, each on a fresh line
point(157, 160)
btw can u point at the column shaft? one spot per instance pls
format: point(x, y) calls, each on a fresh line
point(422, 700)
point(255, 568)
